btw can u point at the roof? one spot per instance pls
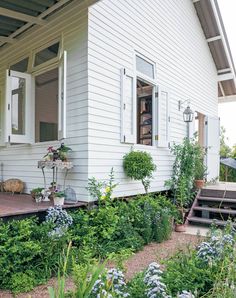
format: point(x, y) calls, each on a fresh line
point(229, 162)
point(17, 16)
point(211, 21)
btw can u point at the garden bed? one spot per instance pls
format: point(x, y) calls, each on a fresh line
point(153, 252)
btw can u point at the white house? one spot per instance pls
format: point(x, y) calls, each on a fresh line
point(107, 76)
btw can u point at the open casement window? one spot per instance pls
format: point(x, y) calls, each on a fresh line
point(62, 97)
point(162, 117)
point(128, 107)
point(19, 108)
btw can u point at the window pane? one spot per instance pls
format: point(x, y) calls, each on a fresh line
point(46, 106)
point(144, 67)
point(18, 106)
point(144, 105)
point(21, 66)
point(46, 54)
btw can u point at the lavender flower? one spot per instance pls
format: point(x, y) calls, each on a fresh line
point(153, 280)
point(111, 285)
point(60, 219)
point(185, 294)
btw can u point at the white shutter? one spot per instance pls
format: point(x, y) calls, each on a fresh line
point(212, 126)
point(19, 109)
point(128, 107)
point(62, 97)
point(2, 143)
point(162, 116)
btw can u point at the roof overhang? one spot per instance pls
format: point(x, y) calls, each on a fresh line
point(18, 16)
point(211, 21)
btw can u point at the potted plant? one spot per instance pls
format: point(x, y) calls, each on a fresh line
point(58, 197)
point(63, 152)
point(36, 194)
point(200, 174)
point(200, 170)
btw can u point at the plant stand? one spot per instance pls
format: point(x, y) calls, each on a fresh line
point(54, 166)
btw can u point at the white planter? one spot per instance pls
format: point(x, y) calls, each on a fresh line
point(58, 201)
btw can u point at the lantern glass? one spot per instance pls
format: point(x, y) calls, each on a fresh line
point(188, 115)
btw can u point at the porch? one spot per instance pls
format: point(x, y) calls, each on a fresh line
point(22, 204)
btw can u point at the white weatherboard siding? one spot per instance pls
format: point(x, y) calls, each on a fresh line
point(167, 32)
point(20, 161)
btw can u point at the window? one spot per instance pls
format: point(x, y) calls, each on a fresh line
point(46, 106)
point(21, 66)
point(145, 108)
point(144, 113)
point(145, 67)
point(36, 105)
point(46, 54)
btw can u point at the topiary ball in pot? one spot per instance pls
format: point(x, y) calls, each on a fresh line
point(139, 165)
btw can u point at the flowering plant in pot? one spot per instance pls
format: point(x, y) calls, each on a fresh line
point(58, 197)
point(36, 194)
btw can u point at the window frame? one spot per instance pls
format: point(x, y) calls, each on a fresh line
point(35, 71)
point(152, 81)
point(49, 62)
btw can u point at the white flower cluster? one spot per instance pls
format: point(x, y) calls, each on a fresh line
point(215, 247)
point(60, 219)
point(112, 285)
point(153, 280)
point(185, 294)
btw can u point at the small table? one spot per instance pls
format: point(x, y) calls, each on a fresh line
point(55, 165)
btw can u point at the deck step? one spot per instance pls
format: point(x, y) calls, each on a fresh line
point(208, 221)
point(212, 199)
point(215, 210)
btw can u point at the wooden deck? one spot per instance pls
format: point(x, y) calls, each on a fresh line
point(230, 186)
point(23, 204)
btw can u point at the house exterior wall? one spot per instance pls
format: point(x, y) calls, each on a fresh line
point(167, 32)
point(20, 161)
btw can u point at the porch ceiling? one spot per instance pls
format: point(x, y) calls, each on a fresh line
point(17, 16)
point(210, 18)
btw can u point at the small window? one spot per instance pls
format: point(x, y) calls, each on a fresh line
point(144, 113)
point(46, 54)
point(145, 67)
point(21, 66)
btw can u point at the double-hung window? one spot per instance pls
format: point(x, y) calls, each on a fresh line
point(144, 106)
point(36, 97)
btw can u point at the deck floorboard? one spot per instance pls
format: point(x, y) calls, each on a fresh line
point(22, 204)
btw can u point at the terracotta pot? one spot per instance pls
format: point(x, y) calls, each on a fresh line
point(180, 228)
point(58, 201)
point(199, 183)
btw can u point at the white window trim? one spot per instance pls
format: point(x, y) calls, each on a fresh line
point(49, 62)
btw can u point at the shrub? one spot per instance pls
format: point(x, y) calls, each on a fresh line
point(27, 253)
point(139, 165)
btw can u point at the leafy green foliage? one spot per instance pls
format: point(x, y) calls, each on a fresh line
point(27, 254)
point(137, 286)
point(139, 165)
point(30, 255)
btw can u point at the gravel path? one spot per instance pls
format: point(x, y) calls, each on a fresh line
point(152, 252)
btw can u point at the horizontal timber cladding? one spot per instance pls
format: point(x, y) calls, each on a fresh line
point(20, 161)
point(166, 32)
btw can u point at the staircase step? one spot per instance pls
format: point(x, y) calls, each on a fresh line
point(215, 210)
point(212, 199)
point(208, 221)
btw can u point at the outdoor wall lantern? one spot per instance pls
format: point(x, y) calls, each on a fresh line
point(188, 113)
